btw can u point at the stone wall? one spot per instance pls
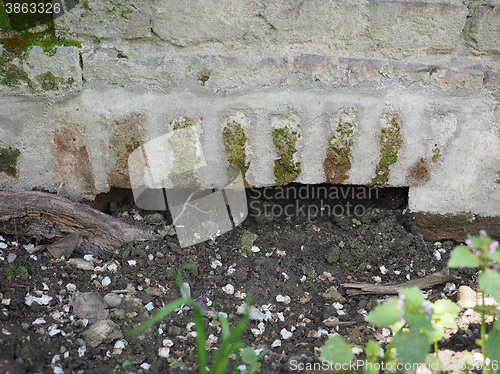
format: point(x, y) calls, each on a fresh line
point(372, 92)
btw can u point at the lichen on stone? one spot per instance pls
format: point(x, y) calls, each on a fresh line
point(286, 170)
point(390, 144)
point(10, 74)
point(48, 81)
point(8, 160)
point(436, 153)
point(186, 158)
point(235, 141)
point(337, 162)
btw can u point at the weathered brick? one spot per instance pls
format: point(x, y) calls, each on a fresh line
point(107, 20)
point(485, 30)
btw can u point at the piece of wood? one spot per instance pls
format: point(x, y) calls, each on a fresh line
point(41, 215)
point(422, 283)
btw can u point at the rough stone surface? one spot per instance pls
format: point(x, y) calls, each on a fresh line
point(102, 331)
point(466, 297)
point(397, 93)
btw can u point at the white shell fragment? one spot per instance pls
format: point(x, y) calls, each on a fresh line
point(283, 299)
point(229, 289)
point(285, 334)
point(276, 343)
point(383, 269)
point(255, 249)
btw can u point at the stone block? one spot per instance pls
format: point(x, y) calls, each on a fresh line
point(485, 30)
point(107, 20)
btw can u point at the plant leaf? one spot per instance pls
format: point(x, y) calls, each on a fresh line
point(337, 351)
point(493, 344)
point(445, 312)
point(462, 257)
point(412, 348)
point(385, 314)
point(489, 281)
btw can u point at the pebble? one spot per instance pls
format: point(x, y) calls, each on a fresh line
point(153, 291)
point(332, 296)
point(80, 263)
point(3, 245)
point(102, 331)
point(112, 299)
point(466, 297)
point(11, 258)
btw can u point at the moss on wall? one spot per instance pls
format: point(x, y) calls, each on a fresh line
point(10, 74)
point(337, 162)
point(286, 170)
point(234, 141)
point(8, 160)
point(390, 144)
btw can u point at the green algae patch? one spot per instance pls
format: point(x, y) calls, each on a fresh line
point(286, 170)
point(8, 161)
point(234, 141)
point(390, 144)
point(337, 162)
point(182, 123)
point(10, 74)
point(48, 81)
point(15, 272)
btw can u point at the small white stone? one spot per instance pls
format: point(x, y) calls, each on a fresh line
point(11, 257)
point(449, 287)
point(145, 365)
point(3, 245)
point(88, 258)
point(81, 351)
point(338, 306)
point(377, 279)
point(408, 276)
point(383, 269)
point(138, 217)
point(149, 306)
point(437, 254)
point(71, 287)
point(276, 343)
point(303, 279)
point(106, 281)
point(132, 262)
point(397, 272)
point(255, 249)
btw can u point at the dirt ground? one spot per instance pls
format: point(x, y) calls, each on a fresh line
point(294, 260)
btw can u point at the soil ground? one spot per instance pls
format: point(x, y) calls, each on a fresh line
point(300, 257)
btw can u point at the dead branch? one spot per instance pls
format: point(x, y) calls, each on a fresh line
point(422, 283)
point(42, 215)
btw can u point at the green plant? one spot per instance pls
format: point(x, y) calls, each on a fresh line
point(482, 251)
point(355, 222)
point(417, 322)
point(231, 339)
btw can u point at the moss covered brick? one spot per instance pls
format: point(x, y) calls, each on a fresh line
point(234, 141)
point(8, 161)
point(286, 170)
point(390, 144)
point(337, 162)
